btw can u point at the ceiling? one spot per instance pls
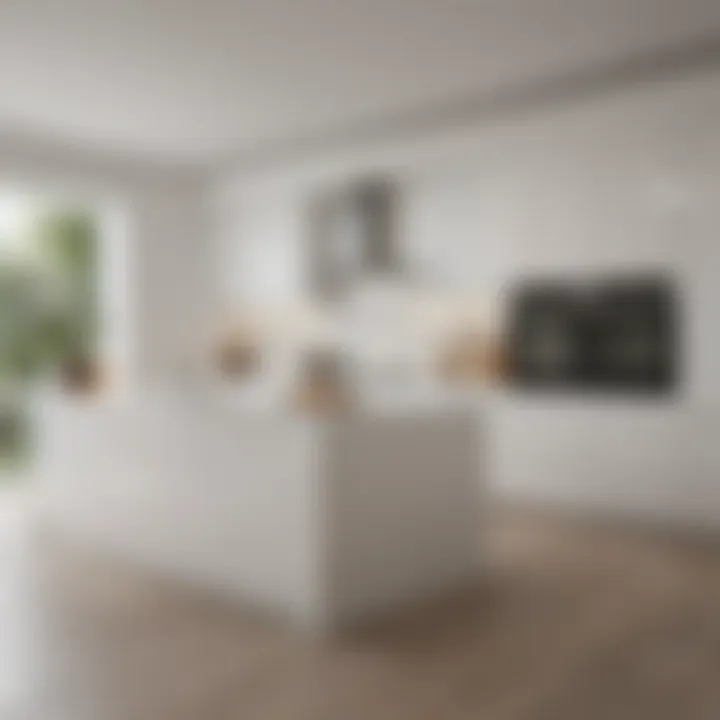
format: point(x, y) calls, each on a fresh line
point(200, 79)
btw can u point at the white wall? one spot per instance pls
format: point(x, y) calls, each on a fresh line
point(620, 180)
point(174, 292)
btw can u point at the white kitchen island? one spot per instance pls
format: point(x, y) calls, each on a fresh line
point(327, 520)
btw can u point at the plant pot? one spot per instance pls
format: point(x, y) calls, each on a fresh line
point(81, 376)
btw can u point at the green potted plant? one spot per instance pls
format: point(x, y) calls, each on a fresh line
point(68, 240)
point(48, 318)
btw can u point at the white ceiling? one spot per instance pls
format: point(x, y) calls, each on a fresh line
point(192, 79)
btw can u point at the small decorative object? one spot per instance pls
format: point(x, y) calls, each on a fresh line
point(473, 357)
point(321, 384)
point(497, 361)
point(237, 352)
point(81, 374)
point(238, 358)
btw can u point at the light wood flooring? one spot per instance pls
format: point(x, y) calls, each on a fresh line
point(571, 622)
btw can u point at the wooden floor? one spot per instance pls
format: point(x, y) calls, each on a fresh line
point(571, 623)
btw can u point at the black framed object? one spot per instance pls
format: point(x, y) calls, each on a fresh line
point(615, 334)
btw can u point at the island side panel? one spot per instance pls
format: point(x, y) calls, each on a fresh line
point(402, 503)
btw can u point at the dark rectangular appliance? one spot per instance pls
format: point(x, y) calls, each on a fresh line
point(615, 334)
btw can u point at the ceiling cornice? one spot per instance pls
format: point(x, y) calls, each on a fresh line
point(504, 104)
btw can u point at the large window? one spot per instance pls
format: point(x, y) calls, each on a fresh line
point(48, 307)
